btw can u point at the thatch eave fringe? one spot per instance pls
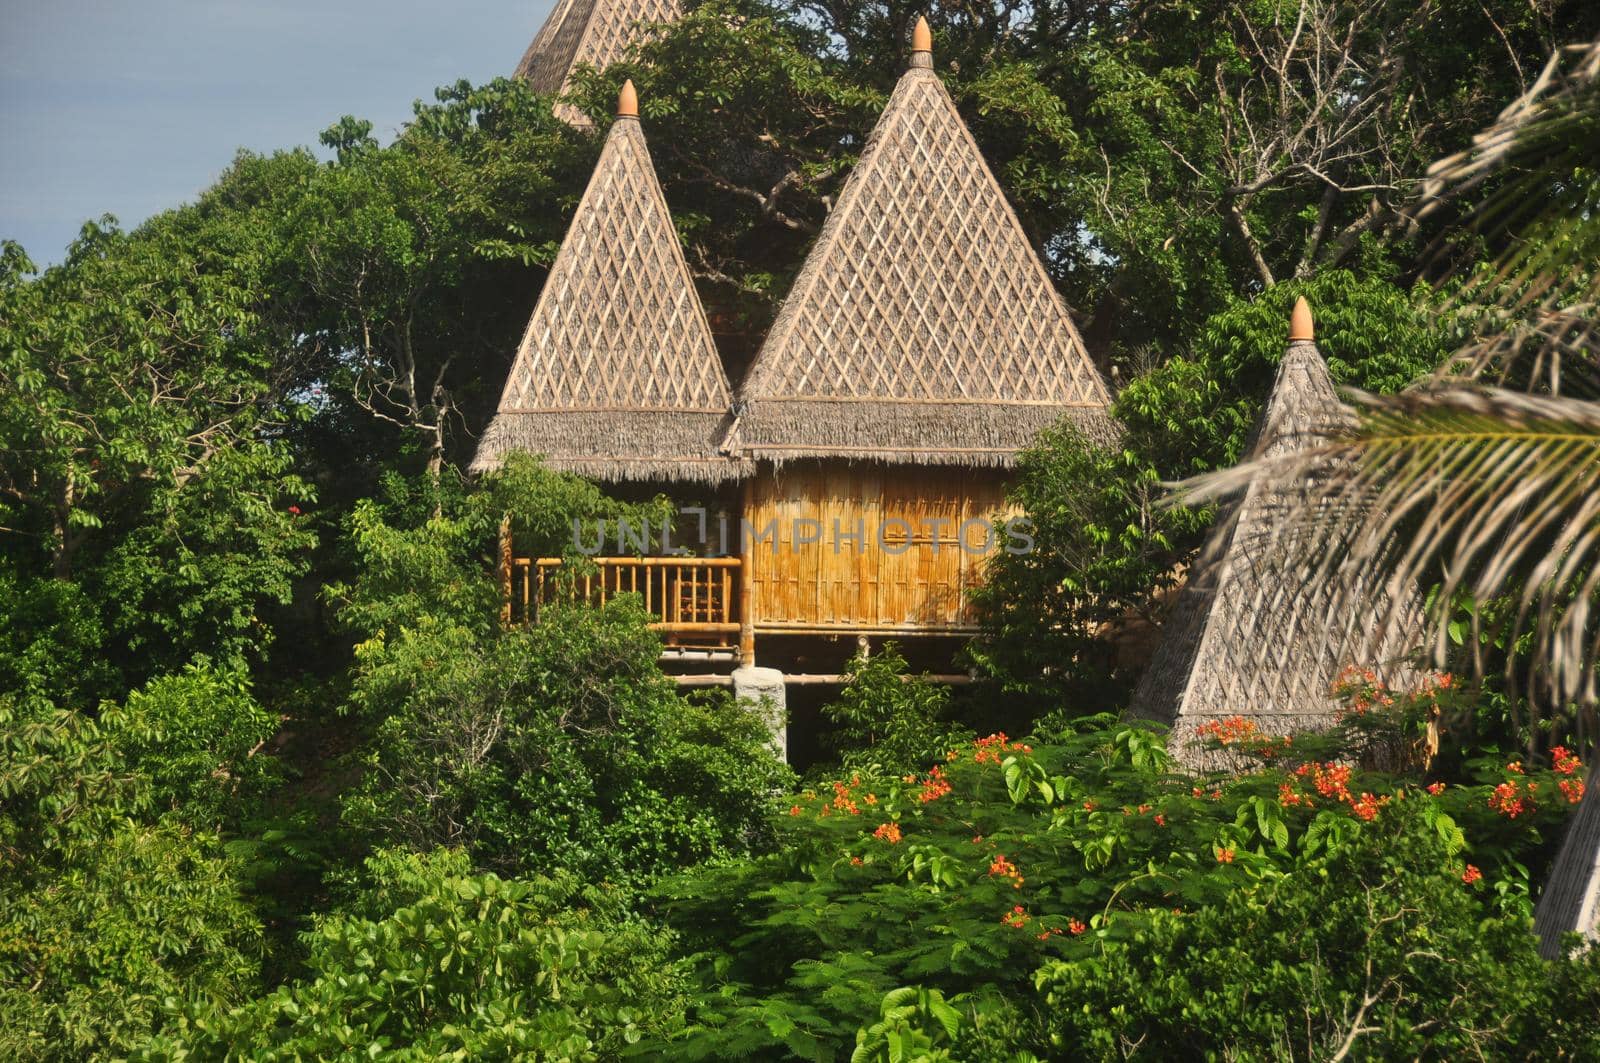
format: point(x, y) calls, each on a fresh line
point(615, 444)
point(986, 434)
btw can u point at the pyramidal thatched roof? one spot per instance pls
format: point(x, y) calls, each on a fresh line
point(1571, 899)
point(596, 32)
point(1246, 637)
point(617, 377)
point(923, 327)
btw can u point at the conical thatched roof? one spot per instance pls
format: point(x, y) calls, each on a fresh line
point(617, 377)
point(596, 32)
point(1571, 899)
point(1249, 635)
point(923, 327)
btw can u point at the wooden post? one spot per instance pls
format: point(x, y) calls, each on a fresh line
point(505, 569)
point(747, 620)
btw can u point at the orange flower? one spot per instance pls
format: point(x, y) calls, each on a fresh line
point(1563, 761)
point(1161, 821)
point(1508, 800)
point(855, 861)
point(1366, 806)
point(1572, 790)
point(1076, 927)
point(889, 832)
point(1436, 788)
point(794, 810)
point(1471, 875)
point(1224, 856)
point(1006, 869)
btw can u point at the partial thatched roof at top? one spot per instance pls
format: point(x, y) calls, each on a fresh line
point(923, 327)
point(617, 377)
point(596, 32)
point(1249, 635)
point(1571, 899)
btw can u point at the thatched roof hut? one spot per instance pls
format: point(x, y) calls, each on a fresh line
point(1570, 902)
point(596, 32)
point(1250, 634)
point(923, 327)
point(617, 377)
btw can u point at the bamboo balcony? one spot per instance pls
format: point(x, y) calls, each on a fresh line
point(694, 600)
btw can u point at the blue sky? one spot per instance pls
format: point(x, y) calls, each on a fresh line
point(131, 106)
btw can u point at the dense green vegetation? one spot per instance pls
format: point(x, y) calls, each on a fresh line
point(276, 783)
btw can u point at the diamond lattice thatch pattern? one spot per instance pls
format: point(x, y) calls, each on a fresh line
point(1250, 635)
point(923, 320)
point(617, 375)
point(596, 32)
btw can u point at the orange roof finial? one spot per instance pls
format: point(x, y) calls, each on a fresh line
point(627, 101)
point(1300, 322)
point(922, 45)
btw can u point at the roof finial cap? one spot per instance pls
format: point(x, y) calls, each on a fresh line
point(627, 101)
point(1300, 330)
point(921, 45)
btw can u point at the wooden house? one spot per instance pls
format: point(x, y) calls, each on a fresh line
point(922, 347)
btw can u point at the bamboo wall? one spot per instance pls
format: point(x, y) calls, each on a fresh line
point(916, 582)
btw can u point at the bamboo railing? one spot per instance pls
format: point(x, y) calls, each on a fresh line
point(694, 599)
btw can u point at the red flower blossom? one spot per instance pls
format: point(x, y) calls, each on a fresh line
point(1016, 917)
point(1005, 869)
point(1075, 927)
point(1471, 875)
point(1436, 788)
point(1563, 761)
point(889, 832)
point(1572, 790)
point(1366, 806)
point(1509, 800)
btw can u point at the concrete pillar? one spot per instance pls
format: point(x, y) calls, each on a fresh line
point(761, 691)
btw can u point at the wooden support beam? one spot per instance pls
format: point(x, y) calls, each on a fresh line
point(505, 569)
point(747, 619)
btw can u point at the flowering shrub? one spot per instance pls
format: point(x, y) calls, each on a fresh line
point(1008, 858)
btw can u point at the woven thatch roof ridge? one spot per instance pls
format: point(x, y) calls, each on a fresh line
point(1571, 899)
point(596, 32)
point(617, 375)
point(923, 326)
point(1245, 638)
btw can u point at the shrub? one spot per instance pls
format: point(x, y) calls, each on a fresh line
point(106, 914)
point(558, 745)
point(198, 737)
point(887, 719)
point(435, 961)
point(1015, 868)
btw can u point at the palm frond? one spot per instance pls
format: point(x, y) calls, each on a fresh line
point(1532, 312)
